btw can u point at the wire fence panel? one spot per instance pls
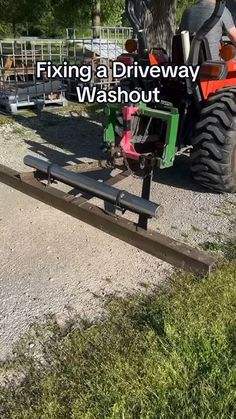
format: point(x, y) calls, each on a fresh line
point(18, 84)
point(117, 34)
point(18, 57)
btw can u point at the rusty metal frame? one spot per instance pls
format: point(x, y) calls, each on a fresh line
point(162, 247)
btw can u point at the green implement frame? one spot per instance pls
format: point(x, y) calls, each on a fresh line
point(169, 114)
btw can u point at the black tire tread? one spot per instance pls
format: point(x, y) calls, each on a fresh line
point(214, 143)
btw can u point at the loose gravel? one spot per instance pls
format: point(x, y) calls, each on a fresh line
point(52, 264)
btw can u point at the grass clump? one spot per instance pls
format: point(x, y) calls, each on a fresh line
point(6, 120)
point(80, 108)
point(171, 355)
point(225, 248)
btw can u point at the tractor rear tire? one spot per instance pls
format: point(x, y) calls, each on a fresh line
point(214, 143)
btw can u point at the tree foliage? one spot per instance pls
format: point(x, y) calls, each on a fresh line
point(22, 12)
point(181, 6)
point(110, 14)
point(51, 17)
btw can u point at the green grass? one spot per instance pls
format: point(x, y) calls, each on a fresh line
point(18, 130)
point(228, 249)
point(167, 355)
point(6, 120)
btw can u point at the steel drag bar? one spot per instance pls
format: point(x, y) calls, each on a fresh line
point(162, 247)
point(120, 198)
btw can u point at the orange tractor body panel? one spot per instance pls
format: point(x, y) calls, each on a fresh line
point(209, 87)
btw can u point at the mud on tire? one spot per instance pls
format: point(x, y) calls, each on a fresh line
point(214, 144)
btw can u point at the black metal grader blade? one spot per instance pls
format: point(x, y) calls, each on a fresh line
point(160, 246)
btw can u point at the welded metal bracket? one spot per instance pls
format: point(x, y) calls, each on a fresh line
point(171, 117)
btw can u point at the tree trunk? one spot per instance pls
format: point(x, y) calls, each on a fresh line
point(14, 29)
point(96, 18)
point(158, 17)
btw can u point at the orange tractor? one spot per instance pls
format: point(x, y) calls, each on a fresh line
point(199, 116)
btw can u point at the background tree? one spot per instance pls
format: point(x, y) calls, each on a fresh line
point(69, 14)
point(52, 17)
point(22, 12)
point(96, 17)
point(159, 20)
point(10, 14)
point(112, 12)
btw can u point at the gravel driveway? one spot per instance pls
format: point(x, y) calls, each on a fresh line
point(53, 264)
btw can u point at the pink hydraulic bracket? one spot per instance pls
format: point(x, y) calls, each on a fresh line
point(126, 145)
